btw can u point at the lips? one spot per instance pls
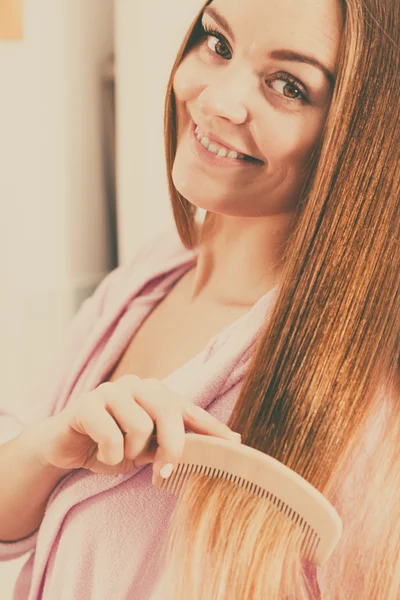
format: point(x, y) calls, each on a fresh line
point(224, 164)
point(214, 138)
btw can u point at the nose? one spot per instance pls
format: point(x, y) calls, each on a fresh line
point(228, 97)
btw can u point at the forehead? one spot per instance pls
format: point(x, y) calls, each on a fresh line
point(307, 25)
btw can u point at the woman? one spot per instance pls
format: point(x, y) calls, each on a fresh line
point(278, 315)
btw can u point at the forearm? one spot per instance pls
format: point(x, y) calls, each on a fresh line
point(25, 485)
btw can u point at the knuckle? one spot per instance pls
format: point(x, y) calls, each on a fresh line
point(129, 379)
point(103, 393)
point(78, 403)
point(144, 426)
point(84, 408)
point(105, 387)
point(94, 403)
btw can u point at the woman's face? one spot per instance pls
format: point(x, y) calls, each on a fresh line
point(269, 107)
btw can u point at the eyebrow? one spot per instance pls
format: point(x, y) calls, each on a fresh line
point(281, 54)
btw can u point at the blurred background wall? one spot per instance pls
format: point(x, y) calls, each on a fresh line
point(147, 38)
point(55, 242)
point(55, 239)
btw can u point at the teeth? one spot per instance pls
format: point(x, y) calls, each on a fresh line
point(211, 147)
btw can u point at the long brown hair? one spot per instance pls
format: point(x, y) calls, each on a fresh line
point(327, 364)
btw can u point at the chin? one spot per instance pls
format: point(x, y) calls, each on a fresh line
point(221, 204)
point(219, 207)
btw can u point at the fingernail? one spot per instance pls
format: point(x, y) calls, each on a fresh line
point(166, 470)
point(236, 437)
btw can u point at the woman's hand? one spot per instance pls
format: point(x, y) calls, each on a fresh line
point(124, 424)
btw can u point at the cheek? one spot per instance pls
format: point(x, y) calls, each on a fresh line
point(289, 140)
point(186, 83)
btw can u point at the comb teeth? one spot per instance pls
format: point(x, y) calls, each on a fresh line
point(265, 477)
point(175, 483)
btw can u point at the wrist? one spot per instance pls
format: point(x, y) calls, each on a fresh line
point(34, 438)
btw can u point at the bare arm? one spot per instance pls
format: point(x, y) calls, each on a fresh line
point(107, 430)
point(25, 485)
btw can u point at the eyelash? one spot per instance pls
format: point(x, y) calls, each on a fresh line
point(209, 31)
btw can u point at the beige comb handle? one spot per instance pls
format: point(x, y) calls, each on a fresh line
point(269, 474)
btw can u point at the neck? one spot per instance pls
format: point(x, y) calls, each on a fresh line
point(239, 259)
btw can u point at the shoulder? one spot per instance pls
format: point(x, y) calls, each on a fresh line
point(160, 253)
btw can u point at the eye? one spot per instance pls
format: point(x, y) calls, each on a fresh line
point(209, 33)
point(291, 82)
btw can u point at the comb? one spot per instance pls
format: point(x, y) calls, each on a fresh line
point(260, 474)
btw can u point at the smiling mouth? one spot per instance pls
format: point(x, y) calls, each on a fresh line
point(245, 157)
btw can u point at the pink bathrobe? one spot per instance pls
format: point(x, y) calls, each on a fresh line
point(100, 532)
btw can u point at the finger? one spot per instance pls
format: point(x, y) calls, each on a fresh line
point(201, 421)
point(100, 426)
point(164, 407)
point(133, 420)
point(170, 439)
point(148, 391)
point(148, 454)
